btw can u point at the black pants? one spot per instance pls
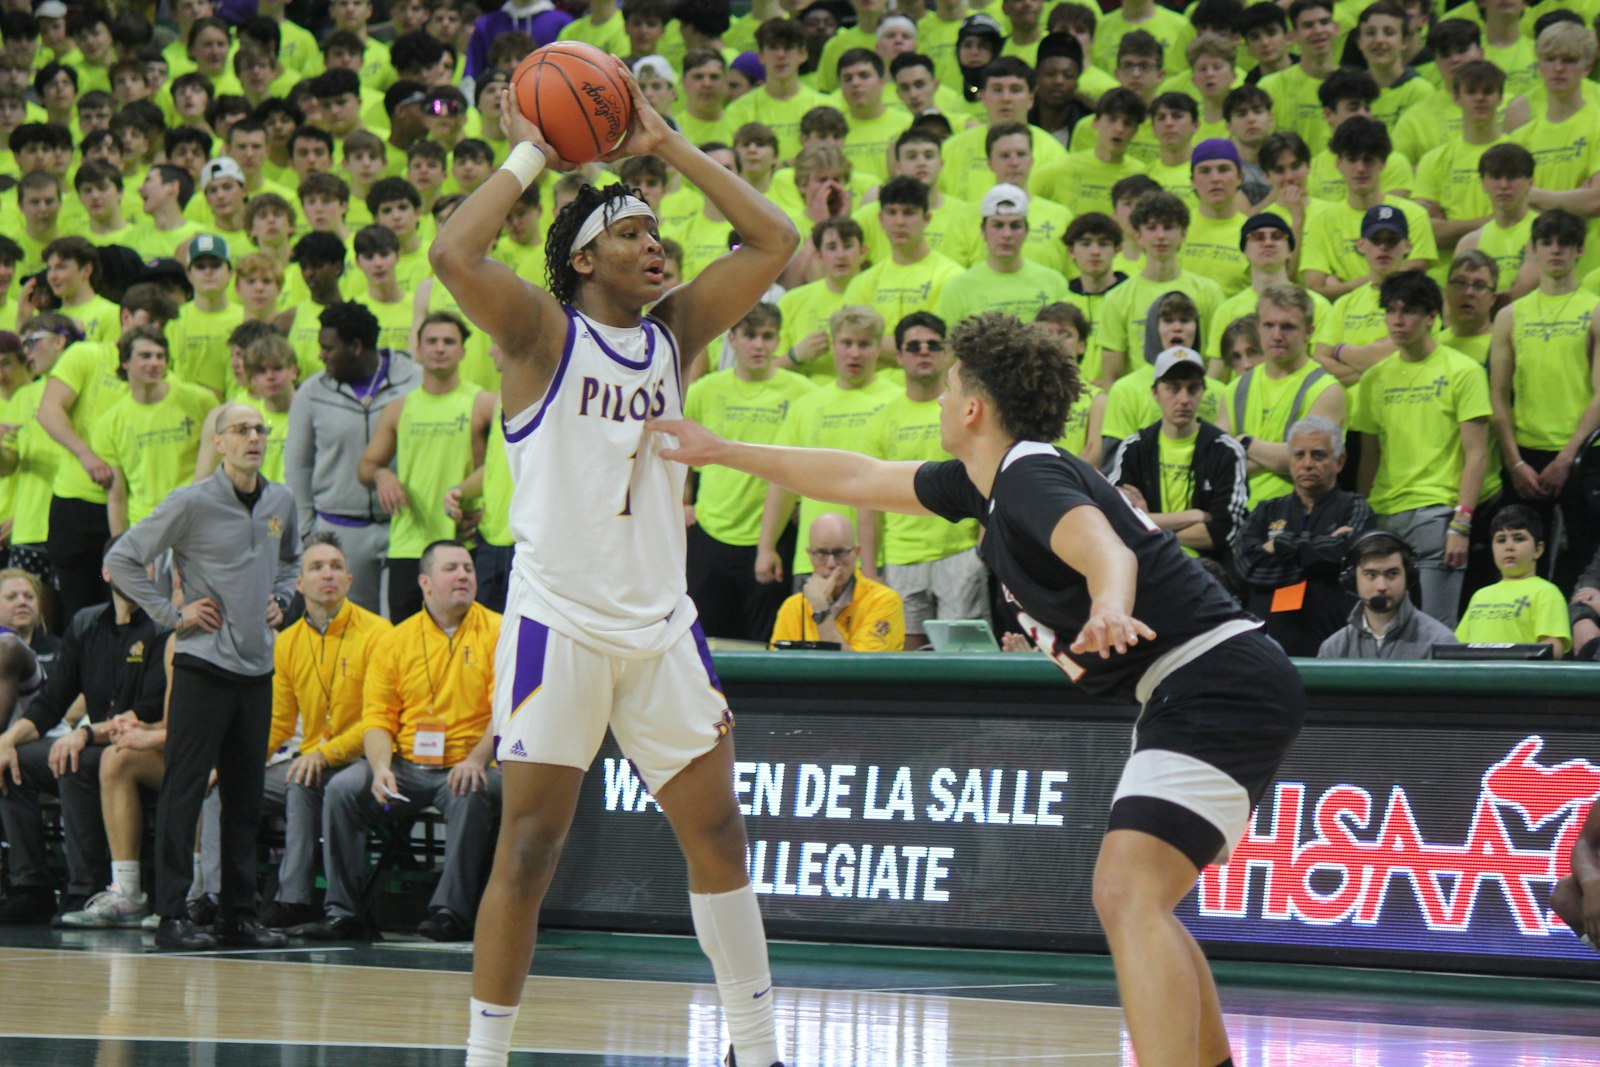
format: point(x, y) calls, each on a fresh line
point(722, 583)
point(88, 856)
point(405, 595)
point(79, 531)
point(1583, 533)
point(221, 722)
point(493, 564)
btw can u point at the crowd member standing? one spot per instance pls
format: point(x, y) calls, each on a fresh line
point(1005, 281)
point(746, 402)
point(435, 435)
point(331, 422)
point(233, 541)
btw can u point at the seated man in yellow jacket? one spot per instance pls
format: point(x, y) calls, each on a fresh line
point(426, 722)
point(319, 665)
point(838, 602)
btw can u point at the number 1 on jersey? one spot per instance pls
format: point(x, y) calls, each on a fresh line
point(627, 495)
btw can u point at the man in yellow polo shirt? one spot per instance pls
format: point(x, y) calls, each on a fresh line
point(319, 664)
point(838, 603)
point(426, 734)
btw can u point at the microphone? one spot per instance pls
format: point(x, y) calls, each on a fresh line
point(1379, 603)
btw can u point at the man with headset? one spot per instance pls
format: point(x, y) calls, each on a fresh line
point(1381, 571)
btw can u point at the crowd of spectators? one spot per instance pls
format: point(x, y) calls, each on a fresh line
point(1328, 271)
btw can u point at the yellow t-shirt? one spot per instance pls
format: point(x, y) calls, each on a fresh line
point(805, 310)
point(1211, 249)
point(982, 288)
point(1081, 182)
point(1268, 405)
point(954, 227)
point(830, 417)
point(1330, 238)
point(1551, 385)
point(434, 452)
point(1122, 325)
point(1518, 610)
point(1176, 457)
point(966, 161)
point(782, 117)
point(90, 371)
point(727, 502)
point(199, 341)
point(895, 290)
point(873, 621)
point(908, 430)
point(1416, 410)
point(154, 445)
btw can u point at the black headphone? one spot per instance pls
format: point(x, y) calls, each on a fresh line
point(1378, 543)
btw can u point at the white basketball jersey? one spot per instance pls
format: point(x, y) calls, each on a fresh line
point(597, 514)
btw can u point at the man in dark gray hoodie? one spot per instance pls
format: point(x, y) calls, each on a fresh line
point(1384, 624)
point(234, 545)
point(331, 420)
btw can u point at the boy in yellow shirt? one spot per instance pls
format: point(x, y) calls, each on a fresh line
point(1521, 607)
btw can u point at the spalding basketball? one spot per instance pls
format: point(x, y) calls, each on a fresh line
point(571, 91)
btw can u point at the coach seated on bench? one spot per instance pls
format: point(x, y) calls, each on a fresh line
point(426, 699)
point(319, 666)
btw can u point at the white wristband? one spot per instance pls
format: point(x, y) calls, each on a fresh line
point(525, 163)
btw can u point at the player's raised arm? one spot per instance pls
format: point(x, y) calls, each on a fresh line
point(514, 311)
point(725, 291)
point(819, 473)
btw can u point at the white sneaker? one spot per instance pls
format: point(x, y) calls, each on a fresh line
point(111, 908)
point(151, 922)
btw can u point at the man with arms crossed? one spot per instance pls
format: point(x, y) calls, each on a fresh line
point(586, 646)
point(1088, 572)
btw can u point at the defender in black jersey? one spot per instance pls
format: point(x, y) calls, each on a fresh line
point(1119, 607)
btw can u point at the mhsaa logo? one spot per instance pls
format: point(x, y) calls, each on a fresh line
point(1356, 855)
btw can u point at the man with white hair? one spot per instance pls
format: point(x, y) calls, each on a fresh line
point(1292, 548)
point(233, 539)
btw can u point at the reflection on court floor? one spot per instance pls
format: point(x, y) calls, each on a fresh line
point(105, 1000)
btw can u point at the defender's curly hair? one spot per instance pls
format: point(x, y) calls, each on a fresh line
point(1022, 368)
point(562, 279)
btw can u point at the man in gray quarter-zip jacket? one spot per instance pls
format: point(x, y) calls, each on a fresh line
point(234, 545)
point(330, 422)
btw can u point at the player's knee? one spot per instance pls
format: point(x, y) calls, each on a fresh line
point(528, 856)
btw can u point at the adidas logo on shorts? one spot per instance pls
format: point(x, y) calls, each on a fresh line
point(518, 750)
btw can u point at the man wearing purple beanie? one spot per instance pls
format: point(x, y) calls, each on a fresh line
point(1212, 248)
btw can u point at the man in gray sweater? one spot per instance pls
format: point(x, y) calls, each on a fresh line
point(234, 545)
point(331, 420)
point(1384, 624)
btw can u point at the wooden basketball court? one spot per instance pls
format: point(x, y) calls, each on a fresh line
point(107, 999)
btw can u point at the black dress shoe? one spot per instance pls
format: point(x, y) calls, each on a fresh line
point(280, 916)
point(202, 910)
point(182, 935)
point(442, 925)
point(27, 905)
point(333, 928)
point(243, 931)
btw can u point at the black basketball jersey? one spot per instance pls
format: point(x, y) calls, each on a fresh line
point(1036, 485)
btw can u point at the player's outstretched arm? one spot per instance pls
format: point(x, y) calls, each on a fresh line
point(510, 309)
point(819, 473)
point(1085, 541)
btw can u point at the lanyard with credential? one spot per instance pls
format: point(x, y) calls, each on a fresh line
point(427, 744)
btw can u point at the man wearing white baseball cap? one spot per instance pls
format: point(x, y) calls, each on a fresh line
point(222, 183)
point(1004, 281)
point(1183, 472)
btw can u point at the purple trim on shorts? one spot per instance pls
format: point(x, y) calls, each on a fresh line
point(340, 520)
point(513, 436)
point(649, 350)
point(705, 656)
point(528, 676)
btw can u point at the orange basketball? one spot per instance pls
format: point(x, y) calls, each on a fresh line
point(571, 91)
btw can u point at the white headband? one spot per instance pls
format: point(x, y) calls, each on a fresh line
point(626, 208)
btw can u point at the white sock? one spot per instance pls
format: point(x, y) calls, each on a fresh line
point(125, 876)
point(197, 881)
point(489, 1034)
point(730, 932)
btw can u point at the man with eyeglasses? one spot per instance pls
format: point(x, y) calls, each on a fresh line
point(932, 564)
point(233, 537)
point(838, 603)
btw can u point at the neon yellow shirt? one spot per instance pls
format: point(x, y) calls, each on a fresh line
point(1295, 105)
point(610, 36)
point(434, 453)
point(1448, 175)
point(966, 161)
point(1507, 246)
point(154, 445)
point(1268, 403)
point(782, 117)
point(1166, 26)
point(1518, 610)
point(1176, 456)
point(1122, 326)
point(908, 430)
point(805, 310)
point(394, 320)
point(1330, 238)
point(1075, 436)
point(38, 456)
point(982, 288)
point(1427, 125)
point(1416, 410)
point(867, 144)
point(1244, 303)
point(495, 526)
point(954, 228)
point(1131, 406)
point(90, 371)
point(727, 502)
point(1326, 183)
point(1211, 249)
point(199, 341)
point(703, 241)
point(1356, 319)
point(830, 417)
point(1092, 305)
point(895, 290)
point(1081, 182)
point(1551, 385)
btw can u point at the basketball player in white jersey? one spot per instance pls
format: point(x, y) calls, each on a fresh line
point(599, 630)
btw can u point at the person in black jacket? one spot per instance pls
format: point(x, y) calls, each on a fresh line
point(1186, 474)
point(1292, 548)
point(111, 655)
